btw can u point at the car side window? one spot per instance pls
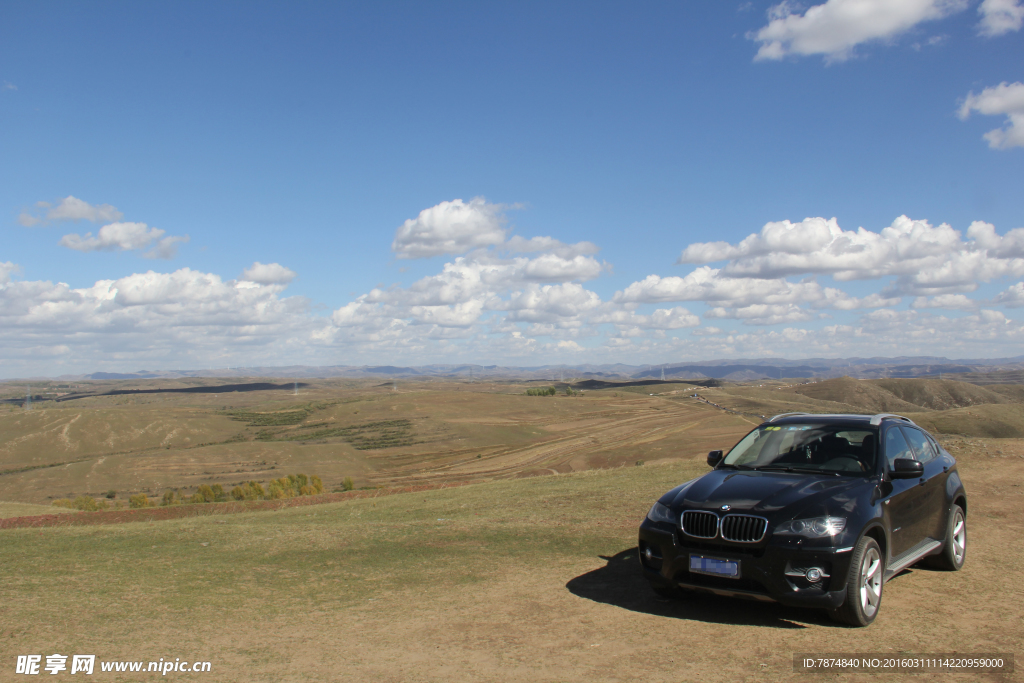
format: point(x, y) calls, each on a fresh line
point(896, 446)
point(922, 447)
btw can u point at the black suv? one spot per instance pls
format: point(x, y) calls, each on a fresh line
point(813, 511)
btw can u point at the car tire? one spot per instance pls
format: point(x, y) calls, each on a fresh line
point(954, 549)
point(863, 585)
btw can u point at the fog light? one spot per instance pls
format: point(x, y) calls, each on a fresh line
point(648, 553)
point(813, 575)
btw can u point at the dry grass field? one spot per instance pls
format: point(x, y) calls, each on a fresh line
point(379, 435)
point(510, 578)
point(524, 579)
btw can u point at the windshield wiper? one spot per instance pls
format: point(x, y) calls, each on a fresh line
point(738, 467)
point(788, 468)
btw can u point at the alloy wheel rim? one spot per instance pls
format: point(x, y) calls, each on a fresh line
point(959, 537)
point(870, 582)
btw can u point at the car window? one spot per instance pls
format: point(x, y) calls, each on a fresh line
point(896, 446)
point(922, 447)
point(823, 447)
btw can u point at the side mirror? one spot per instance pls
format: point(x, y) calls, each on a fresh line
point(905, 468)
point(714, 457)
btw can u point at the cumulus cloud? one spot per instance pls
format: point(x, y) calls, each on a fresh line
point(125, 237)
point(268, 274)
point(7, 269)
point(1012, 297)
point(999, 17)
point(1005, 98)
point(925, 259)
point(950, 302)
point(550, 303)
point(181, 315)
point(453, 227)
point(835, 28)
point(661, 319)
point(550, 245)
point(71, 209)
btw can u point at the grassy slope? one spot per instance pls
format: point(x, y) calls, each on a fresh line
point(112, 589)
point(515, 580)
point(8, 509)
point(943, 406)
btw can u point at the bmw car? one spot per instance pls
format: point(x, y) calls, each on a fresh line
point(813, 511)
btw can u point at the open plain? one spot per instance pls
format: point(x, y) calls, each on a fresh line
point(527, 571)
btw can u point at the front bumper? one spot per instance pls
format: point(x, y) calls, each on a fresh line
point(763, 569)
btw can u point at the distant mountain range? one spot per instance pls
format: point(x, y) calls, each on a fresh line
point(735, 370)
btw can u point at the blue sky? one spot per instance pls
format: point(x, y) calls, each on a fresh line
point(189, 185)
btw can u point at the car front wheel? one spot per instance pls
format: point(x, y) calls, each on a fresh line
point(863, 585)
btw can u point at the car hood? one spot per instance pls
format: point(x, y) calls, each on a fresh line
point(767, 493)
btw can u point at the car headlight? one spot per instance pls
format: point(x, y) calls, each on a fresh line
point(813, 527)
point(661, 513)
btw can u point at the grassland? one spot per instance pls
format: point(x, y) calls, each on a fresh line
point(518, 579)
point(423, 432)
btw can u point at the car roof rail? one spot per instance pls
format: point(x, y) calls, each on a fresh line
point(877, 419)
point(776, 417)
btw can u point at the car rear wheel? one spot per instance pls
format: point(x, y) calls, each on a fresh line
point(954, 550)
point(863, 585)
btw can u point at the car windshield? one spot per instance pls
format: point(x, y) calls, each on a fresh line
point(806, 447)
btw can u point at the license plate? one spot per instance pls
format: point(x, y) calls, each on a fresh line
point(715, 566)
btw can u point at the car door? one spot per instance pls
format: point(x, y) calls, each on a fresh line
point(932, 522)
point(901, 506)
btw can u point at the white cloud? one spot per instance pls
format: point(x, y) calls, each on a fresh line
point(763, 314)
point(166, 248)
point(1005, 98)
point(125, 237)
point(710, 285)
point(999, 17)
point(550, 245)
point(835, 28)
point(925, 259)
point(184, 316)
point(661, 319)
point(71, 209)
point(7, 269)
point(550, 303)
point(952, 302)
point(1012, 297)
point(268, 274)
point(453, 227)
point(459, 315)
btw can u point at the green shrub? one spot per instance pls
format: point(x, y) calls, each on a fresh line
point(197, 498)
point(111, 494)
point(64, 503)
point(207, 494)
point(275, 491)
point(171, 497)
point(140, 500)
point(316, 483)
point(218, 493)
point(548, 391)
point(347, 484)
point(85, 504)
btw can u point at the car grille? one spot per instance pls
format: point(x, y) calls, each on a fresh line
point(743, 528)
point(700, 524)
